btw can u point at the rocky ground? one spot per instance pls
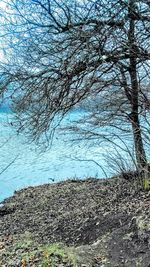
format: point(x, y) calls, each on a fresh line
point(91, 223)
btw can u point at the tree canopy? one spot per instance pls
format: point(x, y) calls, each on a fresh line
point(90, 53)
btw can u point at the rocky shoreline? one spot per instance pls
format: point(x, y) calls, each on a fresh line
point(100, 223)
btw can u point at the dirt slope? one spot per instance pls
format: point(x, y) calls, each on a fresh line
point(100, 222)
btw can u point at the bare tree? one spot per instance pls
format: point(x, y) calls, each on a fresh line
point(88, 52)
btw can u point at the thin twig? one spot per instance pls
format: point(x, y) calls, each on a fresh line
point(9, 164)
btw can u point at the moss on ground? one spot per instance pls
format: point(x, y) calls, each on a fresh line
point(25, 252)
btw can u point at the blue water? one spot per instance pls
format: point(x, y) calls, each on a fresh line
point(23, 164)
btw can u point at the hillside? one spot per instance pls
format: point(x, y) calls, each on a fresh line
point(91, 223)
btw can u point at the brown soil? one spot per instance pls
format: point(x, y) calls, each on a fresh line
point(103, 222)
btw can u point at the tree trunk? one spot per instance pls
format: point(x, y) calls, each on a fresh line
point(138, 142)
point(134, 117)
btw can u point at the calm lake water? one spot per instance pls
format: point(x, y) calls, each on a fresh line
point(23, 164)
point(29, 166)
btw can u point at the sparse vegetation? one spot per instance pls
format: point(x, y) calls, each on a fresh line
point(25, 251)
point(80, 53)
point(94, 55)
point(74, 223)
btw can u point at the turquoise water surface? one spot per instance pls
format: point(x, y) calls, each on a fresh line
point(23, 164)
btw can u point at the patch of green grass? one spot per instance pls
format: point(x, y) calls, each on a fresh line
point(146, 184)
point(28, 252)
point(25, 241)
point(49, 255)
point(53, 249)
point(54, 254)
